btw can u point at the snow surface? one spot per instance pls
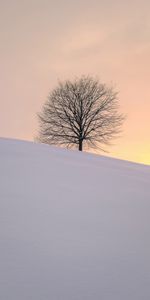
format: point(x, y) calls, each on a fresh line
point(73, 226)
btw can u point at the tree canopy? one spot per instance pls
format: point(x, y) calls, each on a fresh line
point(80, 112)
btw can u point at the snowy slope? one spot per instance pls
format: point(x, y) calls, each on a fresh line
point(73, 226)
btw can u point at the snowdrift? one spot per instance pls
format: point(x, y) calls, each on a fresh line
point(73, 226)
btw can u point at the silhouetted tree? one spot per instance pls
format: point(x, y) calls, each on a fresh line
point(80, 111)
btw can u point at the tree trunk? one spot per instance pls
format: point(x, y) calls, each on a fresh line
point(80, 145)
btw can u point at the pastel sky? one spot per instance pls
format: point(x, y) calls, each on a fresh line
point(42, 41)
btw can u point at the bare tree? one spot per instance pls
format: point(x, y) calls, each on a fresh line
point(82, 111)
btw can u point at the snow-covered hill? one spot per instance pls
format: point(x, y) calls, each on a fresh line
point(73, 226)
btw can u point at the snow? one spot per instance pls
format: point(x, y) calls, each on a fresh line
point(73, 226)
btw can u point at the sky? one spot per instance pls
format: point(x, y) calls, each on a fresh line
point(43, 41)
